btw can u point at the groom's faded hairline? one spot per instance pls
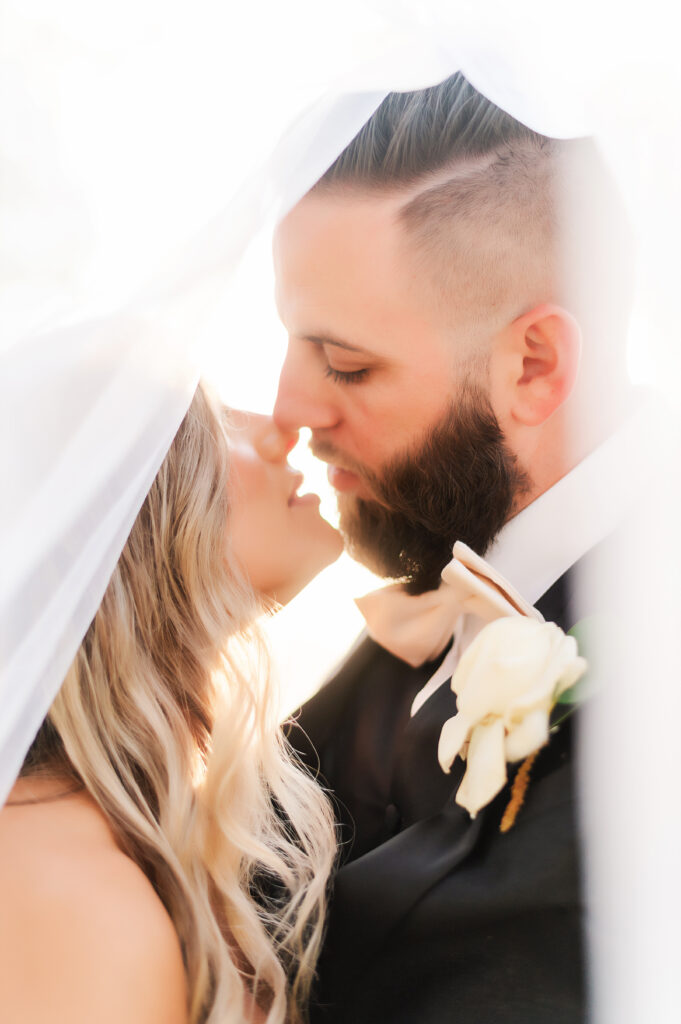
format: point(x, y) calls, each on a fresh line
point(486, 211)
point(476, 183)
point(412, 135)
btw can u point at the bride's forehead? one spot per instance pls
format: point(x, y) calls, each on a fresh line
point(241, 419)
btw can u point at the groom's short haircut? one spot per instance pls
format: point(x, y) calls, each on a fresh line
point(498, 216)
point(413, 134)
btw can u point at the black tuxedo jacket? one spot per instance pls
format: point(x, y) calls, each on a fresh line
point(436, 917)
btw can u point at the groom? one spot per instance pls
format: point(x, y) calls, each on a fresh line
point(454, 289)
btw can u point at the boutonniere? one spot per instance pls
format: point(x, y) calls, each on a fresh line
point(507, 683)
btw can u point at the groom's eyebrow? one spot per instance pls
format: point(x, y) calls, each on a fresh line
point(325, 339)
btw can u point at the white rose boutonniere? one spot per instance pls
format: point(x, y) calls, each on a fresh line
point(507, 682)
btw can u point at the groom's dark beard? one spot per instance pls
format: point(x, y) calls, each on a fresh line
point(460, 484)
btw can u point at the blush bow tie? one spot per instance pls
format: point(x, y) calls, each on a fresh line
point(418, 628)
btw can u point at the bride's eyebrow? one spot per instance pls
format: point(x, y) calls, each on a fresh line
point(317, 339)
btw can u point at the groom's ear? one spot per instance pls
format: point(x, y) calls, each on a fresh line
point(536, 363)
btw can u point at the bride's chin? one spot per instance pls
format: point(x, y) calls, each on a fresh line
point(335, 544)
point(321, 538)
point(322, 550)
point(325, 547)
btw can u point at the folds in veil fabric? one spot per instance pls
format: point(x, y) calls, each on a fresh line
point(88, 410)
point(88, 413)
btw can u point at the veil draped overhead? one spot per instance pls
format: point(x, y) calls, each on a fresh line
point(90, 407)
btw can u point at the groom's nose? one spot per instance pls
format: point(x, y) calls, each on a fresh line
point(302, 399)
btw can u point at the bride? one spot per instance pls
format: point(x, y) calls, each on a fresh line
point(162, 855)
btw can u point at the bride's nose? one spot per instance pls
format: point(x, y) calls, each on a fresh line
point(270, 442)
point(273, 444)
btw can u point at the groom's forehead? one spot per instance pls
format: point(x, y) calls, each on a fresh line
point(343, 274)
point(339, 224)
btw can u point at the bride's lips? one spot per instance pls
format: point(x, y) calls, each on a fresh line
point(301, 499)
point(304, 499)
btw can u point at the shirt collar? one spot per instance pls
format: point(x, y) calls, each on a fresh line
point(548, 537)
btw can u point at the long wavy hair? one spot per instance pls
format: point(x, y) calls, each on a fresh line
point(169, 718)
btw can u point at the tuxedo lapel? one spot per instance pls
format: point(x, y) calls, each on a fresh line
point(556, 604)
point(406, 867)
point(421, 794)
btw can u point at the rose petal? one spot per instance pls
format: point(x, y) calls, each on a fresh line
point(486, 768)
point(562, 663)
point(529, 735)
point(508, 663)
point(452, 738)
point(571, 675)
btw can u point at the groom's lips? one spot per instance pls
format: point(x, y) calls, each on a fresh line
point(343, 479)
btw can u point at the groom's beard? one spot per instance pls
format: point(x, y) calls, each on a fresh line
point(461, 483)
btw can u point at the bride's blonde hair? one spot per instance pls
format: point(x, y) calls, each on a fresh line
point(169, 718)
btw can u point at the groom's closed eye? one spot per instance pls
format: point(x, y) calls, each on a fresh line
point(345, 376)
point(340, 374)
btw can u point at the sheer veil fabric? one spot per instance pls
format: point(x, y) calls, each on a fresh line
point(90, 407)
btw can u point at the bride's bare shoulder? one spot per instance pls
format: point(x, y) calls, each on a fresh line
point(83, 934)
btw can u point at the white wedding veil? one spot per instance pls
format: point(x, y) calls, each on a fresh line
point(89, 406)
